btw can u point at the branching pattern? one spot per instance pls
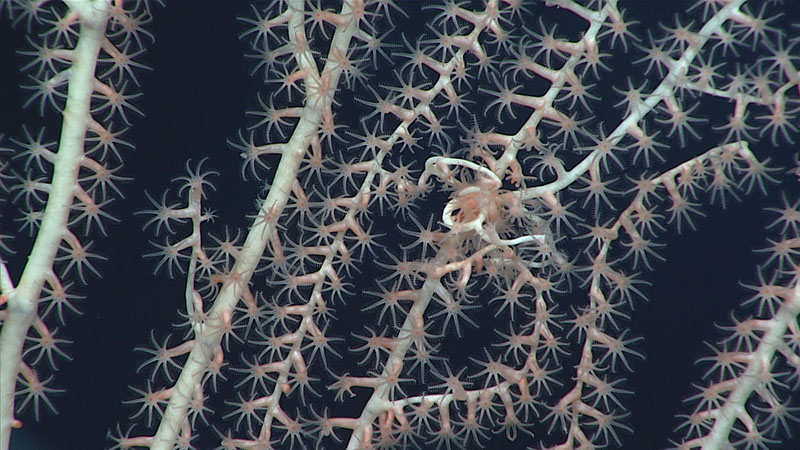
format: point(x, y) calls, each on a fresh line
point(417, 185)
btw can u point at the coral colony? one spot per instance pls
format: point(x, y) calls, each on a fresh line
point(453, 212)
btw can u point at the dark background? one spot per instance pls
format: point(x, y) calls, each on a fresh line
point(194, 100)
